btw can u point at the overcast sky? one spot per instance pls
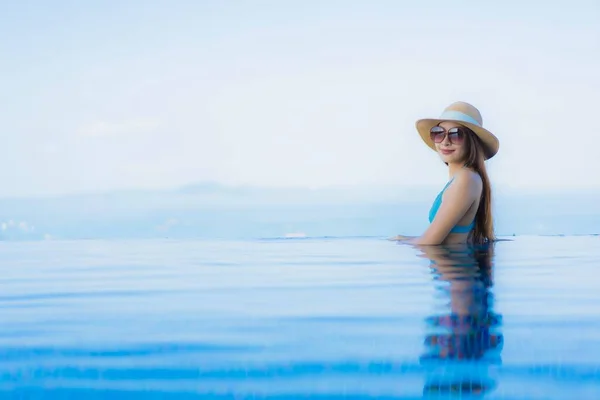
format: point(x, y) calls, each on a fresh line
point(98, 95)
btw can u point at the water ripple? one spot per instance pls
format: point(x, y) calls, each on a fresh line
point(310, 318)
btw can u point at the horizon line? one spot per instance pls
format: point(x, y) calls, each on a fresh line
point(216, 186)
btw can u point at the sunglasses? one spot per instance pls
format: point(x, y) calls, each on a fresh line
point(456, 135)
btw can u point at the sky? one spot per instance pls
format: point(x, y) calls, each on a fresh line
point(110, 95)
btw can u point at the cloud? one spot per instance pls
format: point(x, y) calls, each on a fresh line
point(131, 126)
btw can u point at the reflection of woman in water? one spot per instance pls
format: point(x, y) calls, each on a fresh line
point(463, 342)
point(462, 211)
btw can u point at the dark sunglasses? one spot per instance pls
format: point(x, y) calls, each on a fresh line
point(456, 135)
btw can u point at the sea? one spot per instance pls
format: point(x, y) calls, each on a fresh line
point(300, 317)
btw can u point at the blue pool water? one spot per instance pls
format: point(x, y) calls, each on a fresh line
point(306, 318)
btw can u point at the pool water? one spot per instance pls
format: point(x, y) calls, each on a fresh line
point(323, 318)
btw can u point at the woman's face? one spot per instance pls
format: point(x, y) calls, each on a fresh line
point(452, 148)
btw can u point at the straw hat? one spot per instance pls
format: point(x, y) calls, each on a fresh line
point(466, 115)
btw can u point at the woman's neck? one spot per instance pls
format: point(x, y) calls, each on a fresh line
point(454, 168)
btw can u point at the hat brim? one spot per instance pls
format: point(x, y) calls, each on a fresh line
point(489, 140)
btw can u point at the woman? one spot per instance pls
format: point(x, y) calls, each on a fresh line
point(462, 211)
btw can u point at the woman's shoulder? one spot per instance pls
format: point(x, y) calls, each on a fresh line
point(468, 179)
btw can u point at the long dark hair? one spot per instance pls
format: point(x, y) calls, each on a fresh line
point(475, 159)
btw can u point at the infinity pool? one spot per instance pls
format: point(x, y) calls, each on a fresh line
point(323, 318)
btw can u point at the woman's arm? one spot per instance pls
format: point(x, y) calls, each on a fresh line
point(402, 238)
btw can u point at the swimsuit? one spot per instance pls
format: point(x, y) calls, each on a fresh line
point(436, 205)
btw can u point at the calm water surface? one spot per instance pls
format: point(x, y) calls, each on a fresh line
point(309, 318)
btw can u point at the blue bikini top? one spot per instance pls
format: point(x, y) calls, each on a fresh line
point(436, 205)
